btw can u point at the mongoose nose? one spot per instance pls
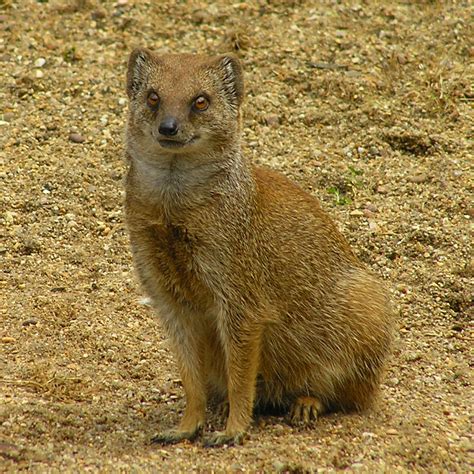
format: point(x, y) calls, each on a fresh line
point(168, 127)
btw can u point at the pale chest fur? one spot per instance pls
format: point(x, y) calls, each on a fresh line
point(186, 240)
point(171, 263)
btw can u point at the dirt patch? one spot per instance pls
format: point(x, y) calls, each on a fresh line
point(367, 105)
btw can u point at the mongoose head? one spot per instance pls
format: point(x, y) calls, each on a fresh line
point(182, 103)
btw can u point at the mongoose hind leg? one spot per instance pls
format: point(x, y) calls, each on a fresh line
point(305, 410)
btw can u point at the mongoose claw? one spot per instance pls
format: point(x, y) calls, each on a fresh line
point(221, 438)
point(305, 410)
point(174, 436)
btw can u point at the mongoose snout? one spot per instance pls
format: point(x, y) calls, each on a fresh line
point(168, 127)
point(261, 296)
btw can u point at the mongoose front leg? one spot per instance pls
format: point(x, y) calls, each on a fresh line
point(192, 423)
point(191, 368)
point(242, 366)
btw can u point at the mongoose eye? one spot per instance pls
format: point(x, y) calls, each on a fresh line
point(153, 99)
point(201, 104)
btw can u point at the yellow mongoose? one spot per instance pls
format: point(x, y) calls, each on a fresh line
point(261, 296)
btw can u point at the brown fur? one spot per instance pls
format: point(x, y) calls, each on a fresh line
point(260, 294)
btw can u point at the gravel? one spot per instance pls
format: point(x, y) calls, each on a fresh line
point(366, 105)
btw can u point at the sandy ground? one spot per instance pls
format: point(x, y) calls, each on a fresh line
point(366, 104)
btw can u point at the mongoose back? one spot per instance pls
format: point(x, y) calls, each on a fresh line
point(261, 296)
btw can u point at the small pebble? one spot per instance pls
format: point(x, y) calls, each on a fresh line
point(419, 178)
point(201, 16)
point(413, 356)
point(9, 217)
point(272, 120)
point(76, 138)
point(145, 301)
point(392, 431)
point(7, 339)
point(382, 189)
point(29, 322)
point(371, 207)
point(39, 74)
point(357, 213)
point(374, 151)
point(98, 14)
point(373, 226)
point(40, 62)
point(122, 101)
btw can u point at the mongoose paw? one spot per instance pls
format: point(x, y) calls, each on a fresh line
point(175, 436)
point(305, 410)
point(221, 438)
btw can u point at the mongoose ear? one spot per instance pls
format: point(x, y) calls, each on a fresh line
point(232, 78)
point(137, 70)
